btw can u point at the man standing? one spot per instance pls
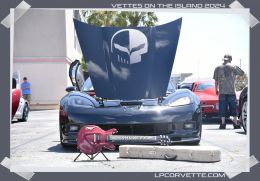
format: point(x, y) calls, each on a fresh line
point(26, 91)
point(225, 76)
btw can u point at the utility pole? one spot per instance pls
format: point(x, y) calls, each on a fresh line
point(240, 63)
point(198, 70)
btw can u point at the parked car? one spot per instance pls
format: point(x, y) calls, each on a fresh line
point(20, 107)
point(205, 90)
point(22, 112)
point(129, 71)
point(177, 115)
point(243, 108)
point(16, 94)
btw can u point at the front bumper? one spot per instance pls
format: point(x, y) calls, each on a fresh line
point(19, 112)
point(180, 124)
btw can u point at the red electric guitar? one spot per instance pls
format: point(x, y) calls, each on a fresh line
point(92, 140)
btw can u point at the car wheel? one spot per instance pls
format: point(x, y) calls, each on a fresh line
point(25, 113)
point(195, 142)
point(243, 117)
point(64, 145)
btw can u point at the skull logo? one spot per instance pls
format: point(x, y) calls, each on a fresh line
point(128, 46)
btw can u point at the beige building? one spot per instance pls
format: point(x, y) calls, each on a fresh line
point(45, 44)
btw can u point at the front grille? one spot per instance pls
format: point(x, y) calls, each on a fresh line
point(140, 129)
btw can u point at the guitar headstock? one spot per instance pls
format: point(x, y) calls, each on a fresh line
point(165, 140)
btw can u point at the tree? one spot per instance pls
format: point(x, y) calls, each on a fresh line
point(83, 64)
point(241, 82)
point(119, 18)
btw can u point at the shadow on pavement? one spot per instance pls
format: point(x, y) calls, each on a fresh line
point(118, 159)
point(241, 132)
point(59, 149)
point(208, 121)
point(14, 122)
point(227, 129)
point(73, 149)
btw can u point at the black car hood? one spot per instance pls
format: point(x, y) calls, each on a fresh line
point(129, 63)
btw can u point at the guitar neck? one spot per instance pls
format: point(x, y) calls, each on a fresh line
point(130, 139)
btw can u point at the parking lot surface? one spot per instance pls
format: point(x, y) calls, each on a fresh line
point(35, 146)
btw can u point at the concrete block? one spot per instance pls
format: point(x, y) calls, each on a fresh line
point(185, 153)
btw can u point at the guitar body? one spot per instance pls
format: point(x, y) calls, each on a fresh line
point(92, 139)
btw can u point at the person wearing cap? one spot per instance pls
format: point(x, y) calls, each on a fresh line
point(26, 90)
point(225, 76)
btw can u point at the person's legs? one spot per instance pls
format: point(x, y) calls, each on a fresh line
point(222, 110)
point(223, 120)
point(232, 104)
point(27, 98)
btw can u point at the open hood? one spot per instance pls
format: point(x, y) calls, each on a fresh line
point(129, 63)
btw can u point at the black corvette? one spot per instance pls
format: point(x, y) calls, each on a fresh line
point(130, 69)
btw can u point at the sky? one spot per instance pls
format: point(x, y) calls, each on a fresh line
point(205, 38)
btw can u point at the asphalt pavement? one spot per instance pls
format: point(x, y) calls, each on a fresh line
point(35, 146)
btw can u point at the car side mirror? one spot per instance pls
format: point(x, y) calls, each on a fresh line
point(71, 88)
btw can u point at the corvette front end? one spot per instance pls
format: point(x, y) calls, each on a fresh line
point(130, 68)
point(178, 116)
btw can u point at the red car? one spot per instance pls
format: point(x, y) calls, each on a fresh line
point(20, 107)
point(16, 94)
point(205, 90)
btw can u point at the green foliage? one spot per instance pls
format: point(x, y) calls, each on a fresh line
point(119, 18)
point(83, 64)
point(241, 82)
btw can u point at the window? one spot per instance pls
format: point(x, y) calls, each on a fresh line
point(14, 84)
point(204, 86)
point(185, 86)
point(88, 85)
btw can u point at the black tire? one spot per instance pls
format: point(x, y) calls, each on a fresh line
point(64, 145)
point(189, 143)
point(243, 116)
point(197, 142)
point(61, 138)
point(25, 113)
point(194, 142)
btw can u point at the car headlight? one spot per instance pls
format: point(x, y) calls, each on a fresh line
point(80, 102)
point(180, 102)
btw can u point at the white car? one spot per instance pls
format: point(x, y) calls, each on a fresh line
point(23, 108)
point(22, 111)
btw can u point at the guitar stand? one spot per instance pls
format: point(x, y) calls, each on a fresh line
point(92, 157)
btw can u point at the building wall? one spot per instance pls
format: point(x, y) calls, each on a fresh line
point(40, 33)
point(47, 80)
point(73, 50)
point(43, 51)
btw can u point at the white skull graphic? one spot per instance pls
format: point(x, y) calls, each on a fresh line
point(129, 45)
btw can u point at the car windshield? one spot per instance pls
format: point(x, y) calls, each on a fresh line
point(14, 84)
point(89, 87)
point(170, 87)
point(206, 85)
point(185, 86)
